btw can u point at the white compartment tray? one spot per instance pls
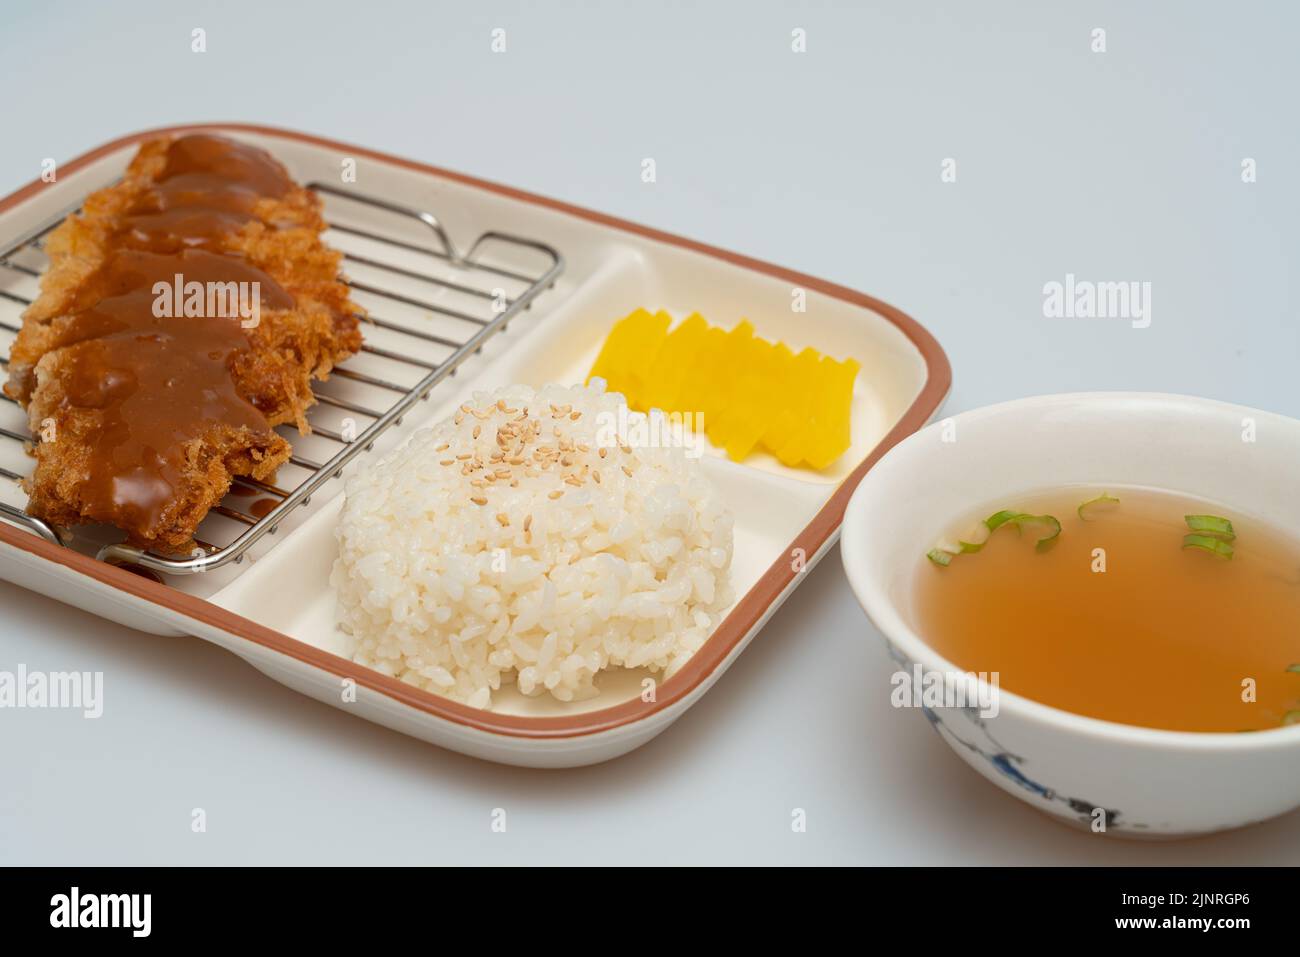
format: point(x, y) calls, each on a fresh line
point(275, 608)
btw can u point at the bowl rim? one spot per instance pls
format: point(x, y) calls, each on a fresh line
point(883, 613)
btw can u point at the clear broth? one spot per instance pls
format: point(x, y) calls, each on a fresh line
point(1164, 637)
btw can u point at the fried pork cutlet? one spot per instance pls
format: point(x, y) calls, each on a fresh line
point(146, 414)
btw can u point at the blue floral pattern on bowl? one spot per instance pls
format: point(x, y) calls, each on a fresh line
point(976, 738)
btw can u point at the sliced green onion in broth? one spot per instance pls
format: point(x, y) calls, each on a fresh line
point(1089, 510)
point(1208, 543)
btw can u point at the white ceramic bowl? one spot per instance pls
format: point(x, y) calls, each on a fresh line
point(1150, 782)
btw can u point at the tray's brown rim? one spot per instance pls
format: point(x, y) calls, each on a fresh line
point(738, 623)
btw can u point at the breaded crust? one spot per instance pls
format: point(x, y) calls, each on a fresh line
point(208, 462)
point(87, 310)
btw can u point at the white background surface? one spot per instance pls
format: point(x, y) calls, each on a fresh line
point(1116, 166)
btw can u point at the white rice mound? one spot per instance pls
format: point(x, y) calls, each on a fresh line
point(508, 545)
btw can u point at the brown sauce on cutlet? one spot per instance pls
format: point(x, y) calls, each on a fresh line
point(181, 228)
point(209, 187)
point(224, 163)
point(159, 382)
point(119, 297)
point(130, 271)
point(157, 390)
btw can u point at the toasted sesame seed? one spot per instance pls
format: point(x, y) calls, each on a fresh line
point(447, 462)
point(442, 448)
point(627, 471)
point(556, 494)
point(477, 430)
point(479, 500)
point(596, 475)
point(503, 518)
point(528, 521)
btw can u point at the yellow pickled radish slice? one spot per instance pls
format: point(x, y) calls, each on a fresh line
point(782, 430)
point(830, 433)
point(674, 360)
point(644, 346)
point(752, 393)
point(612, 359)
point(791, 453)
point(803, 373)
point(834, 402)
point(720, 419)
point(617, 361)
point(750, 409)
point(707, 385)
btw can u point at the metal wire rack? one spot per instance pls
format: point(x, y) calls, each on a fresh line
point(451, 304)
